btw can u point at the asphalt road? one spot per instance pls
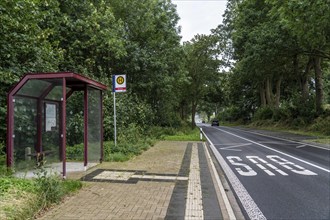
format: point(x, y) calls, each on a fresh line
point(273, 178)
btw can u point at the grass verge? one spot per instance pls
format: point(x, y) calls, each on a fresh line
point(25, 198)
point(320, 137)
point(186, 134)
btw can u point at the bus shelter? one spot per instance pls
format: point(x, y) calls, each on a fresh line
point(37, 117)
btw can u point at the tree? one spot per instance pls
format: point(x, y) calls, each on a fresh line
point(24, 45)
point(308, 21)
point(202, 68)
point(153, 60)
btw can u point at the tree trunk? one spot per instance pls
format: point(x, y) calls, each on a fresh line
point(262, 95)
point(193, 113)
point(295, 65)
point(304, 81)
point(268, 93)
point(318, 85)
point(278, 92)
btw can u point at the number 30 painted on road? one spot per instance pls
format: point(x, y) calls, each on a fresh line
point(246, 170)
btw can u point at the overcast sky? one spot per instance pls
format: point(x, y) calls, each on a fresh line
point(199, 16)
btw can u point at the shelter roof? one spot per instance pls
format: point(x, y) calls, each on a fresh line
point(74, 81)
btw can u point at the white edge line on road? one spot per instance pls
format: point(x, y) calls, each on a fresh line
point(248, 203)
point(229, 209)
point(297, 142)
point(288, 155)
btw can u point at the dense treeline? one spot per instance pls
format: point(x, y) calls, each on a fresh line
point(280, 58)
point(98, 38)
point(267, 60)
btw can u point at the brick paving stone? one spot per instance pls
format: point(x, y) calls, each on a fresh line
point(104, 198)
point(142, 200)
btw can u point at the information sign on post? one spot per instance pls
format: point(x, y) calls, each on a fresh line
point(118, 85)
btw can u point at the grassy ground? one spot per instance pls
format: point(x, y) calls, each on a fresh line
point(184, 135)
point(25, 198)
point(319, 137)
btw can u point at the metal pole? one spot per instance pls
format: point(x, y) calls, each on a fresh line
point(114, 117)
point(86, 107)
point(63, 135)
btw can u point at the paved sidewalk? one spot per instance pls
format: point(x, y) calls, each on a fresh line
point(171, 180)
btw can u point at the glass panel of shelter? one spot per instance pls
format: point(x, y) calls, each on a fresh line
point(37, 125)
point(25, 132)
point(94, 125)
point(34, 88)
point(35, 140)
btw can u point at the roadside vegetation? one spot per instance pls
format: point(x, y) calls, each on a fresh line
point(267, 65)
point(184, 134)
point(279, 59)
point(25, 198)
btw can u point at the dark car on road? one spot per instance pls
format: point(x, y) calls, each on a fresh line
point(215, 122)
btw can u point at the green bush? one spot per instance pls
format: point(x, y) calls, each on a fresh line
point(9, 182)
point(230, 114)
point(75, 152)
point(24, 197)
point(263, 113)
point(75, 129)
point(321, 124)
point(48, 187)
point(3, 167)
point(281, 114)
point(158, 132)
point(118, 157)
point(130, 143)
point(51, 188)
point(299, 122)
point(185, 134)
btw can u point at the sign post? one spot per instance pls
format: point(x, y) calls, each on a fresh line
point(118, 85)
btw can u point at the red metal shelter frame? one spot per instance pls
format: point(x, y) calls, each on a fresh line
point(74, 82)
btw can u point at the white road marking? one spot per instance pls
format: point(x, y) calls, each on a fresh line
point(254, 159)
point(194, 203)
point(229, 209)
point(285, 163)
point(114, 175)
point(228, 144)
point(277, 170)
point(251, 158)
point(160, 177)
point(126, 175)
point(300, 146)
point(277, 143)
point(248, 203)
point(286, 140)
point(230, 148)
point(288, 155)
point(277, 159)
point(248, 170)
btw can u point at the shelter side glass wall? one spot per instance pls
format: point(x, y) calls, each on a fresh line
point(51, 139)
point(34, 88)
point(75, 127)
point(94, 125)
point(37, 125)
point(25, 133)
